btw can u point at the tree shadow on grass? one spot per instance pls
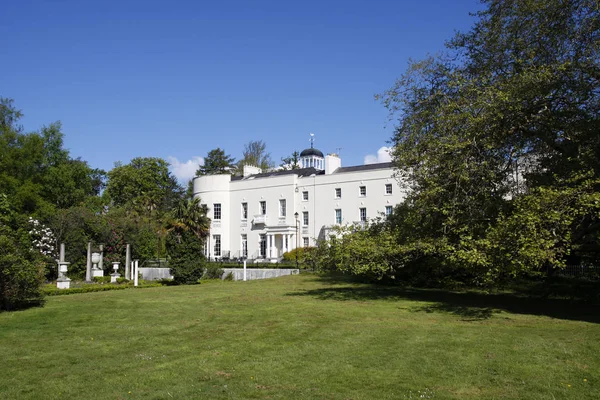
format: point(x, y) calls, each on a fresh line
point(469, 305)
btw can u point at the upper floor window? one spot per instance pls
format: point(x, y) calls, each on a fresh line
point(244, 210)
point(363, 214)
point(263, 208)
point(388, 188)
point(282, 207)
point(305, 218)
point(217, 211)
point(388, 210)
point(362, 190)
point(338, 216)
point(338, 193)
point(304, 196)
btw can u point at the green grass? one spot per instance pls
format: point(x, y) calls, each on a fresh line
point(299, 337)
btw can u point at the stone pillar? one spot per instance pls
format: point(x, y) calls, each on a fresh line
point(61, 257)
point(268, 255)
point(135, 272)
point(101, 263)
point(127, 261)
point(88, 268)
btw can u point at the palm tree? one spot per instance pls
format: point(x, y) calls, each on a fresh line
point(190, 216)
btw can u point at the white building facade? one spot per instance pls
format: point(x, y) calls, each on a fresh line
point(260, 216)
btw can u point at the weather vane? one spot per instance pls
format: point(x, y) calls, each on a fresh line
point(312, 140)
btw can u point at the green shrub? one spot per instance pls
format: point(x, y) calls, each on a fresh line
point(54, 291)
point(186, 259)
point(122, 280)
point(102, 279)
point(21, 270)
point(228, 277)
point(303, 252)
point(20, 277)
point(212, 271)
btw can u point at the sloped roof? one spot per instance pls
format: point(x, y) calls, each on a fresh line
point(304, 172)
point(300, 172)
point(367, 167)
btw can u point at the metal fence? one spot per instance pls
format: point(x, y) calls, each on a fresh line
point(580, 271)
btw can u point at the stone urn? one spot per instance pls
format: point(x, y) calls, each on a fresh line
point(115, 274)
point(96, 258)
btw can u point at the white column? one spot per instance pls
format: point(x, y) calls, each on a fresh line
point(273, 247)
point(268, 255)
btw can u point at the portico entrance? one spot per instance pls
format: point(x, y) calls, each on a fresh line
point(279, 240)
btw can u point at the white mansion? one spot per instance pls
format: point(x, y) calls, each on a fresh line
point(260, 216)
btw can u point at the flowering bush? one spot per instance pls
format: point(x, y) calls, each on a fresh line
point(42, 238)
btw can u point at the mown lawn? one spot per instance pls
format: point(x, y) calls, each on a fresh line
point(299, 337)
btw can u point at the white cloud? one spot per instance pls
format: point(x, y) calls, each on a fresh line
point(184, 171)
point(383, 155)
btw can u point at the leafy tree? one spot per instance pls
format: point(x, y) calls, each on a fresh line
point(217, 162)
point(516, 99)
point(291, 162)
point(255, 153)
point(36, 172)
point(144, 185)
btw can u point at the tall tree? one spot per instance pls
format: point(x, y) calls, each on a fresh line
point(37, 172)
point(516, 96)
point(255, 153)
point(217, 162)
point(145, 184)
point(291, 162)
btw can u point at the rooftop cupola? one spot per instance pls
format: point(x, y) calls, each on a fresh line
point(312, 157)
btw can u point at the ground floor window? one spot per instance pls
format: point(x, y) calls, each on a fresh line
point(363, 214)
point(305, 241)
point(263, 245)
point(338, 216)
point(245, 246)
point(217, 245)
point(388, 210)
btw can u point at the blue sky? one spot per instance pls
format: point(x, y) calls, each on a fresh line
point(175, 79)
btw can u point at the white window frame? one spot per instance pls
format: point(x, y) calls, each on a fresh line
point(362, 191)
point(338, 193)
point(388, 189)
point(388, 210)
point(305, 195)
point(217, 246)
point(338, 216)
point(262, 238)
point(362, 214)
point(217, 211)
point(244, 211)
point(244, 239)
point(305, 241)
point(282, 208)
point(305, 218)
point(263, 207)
